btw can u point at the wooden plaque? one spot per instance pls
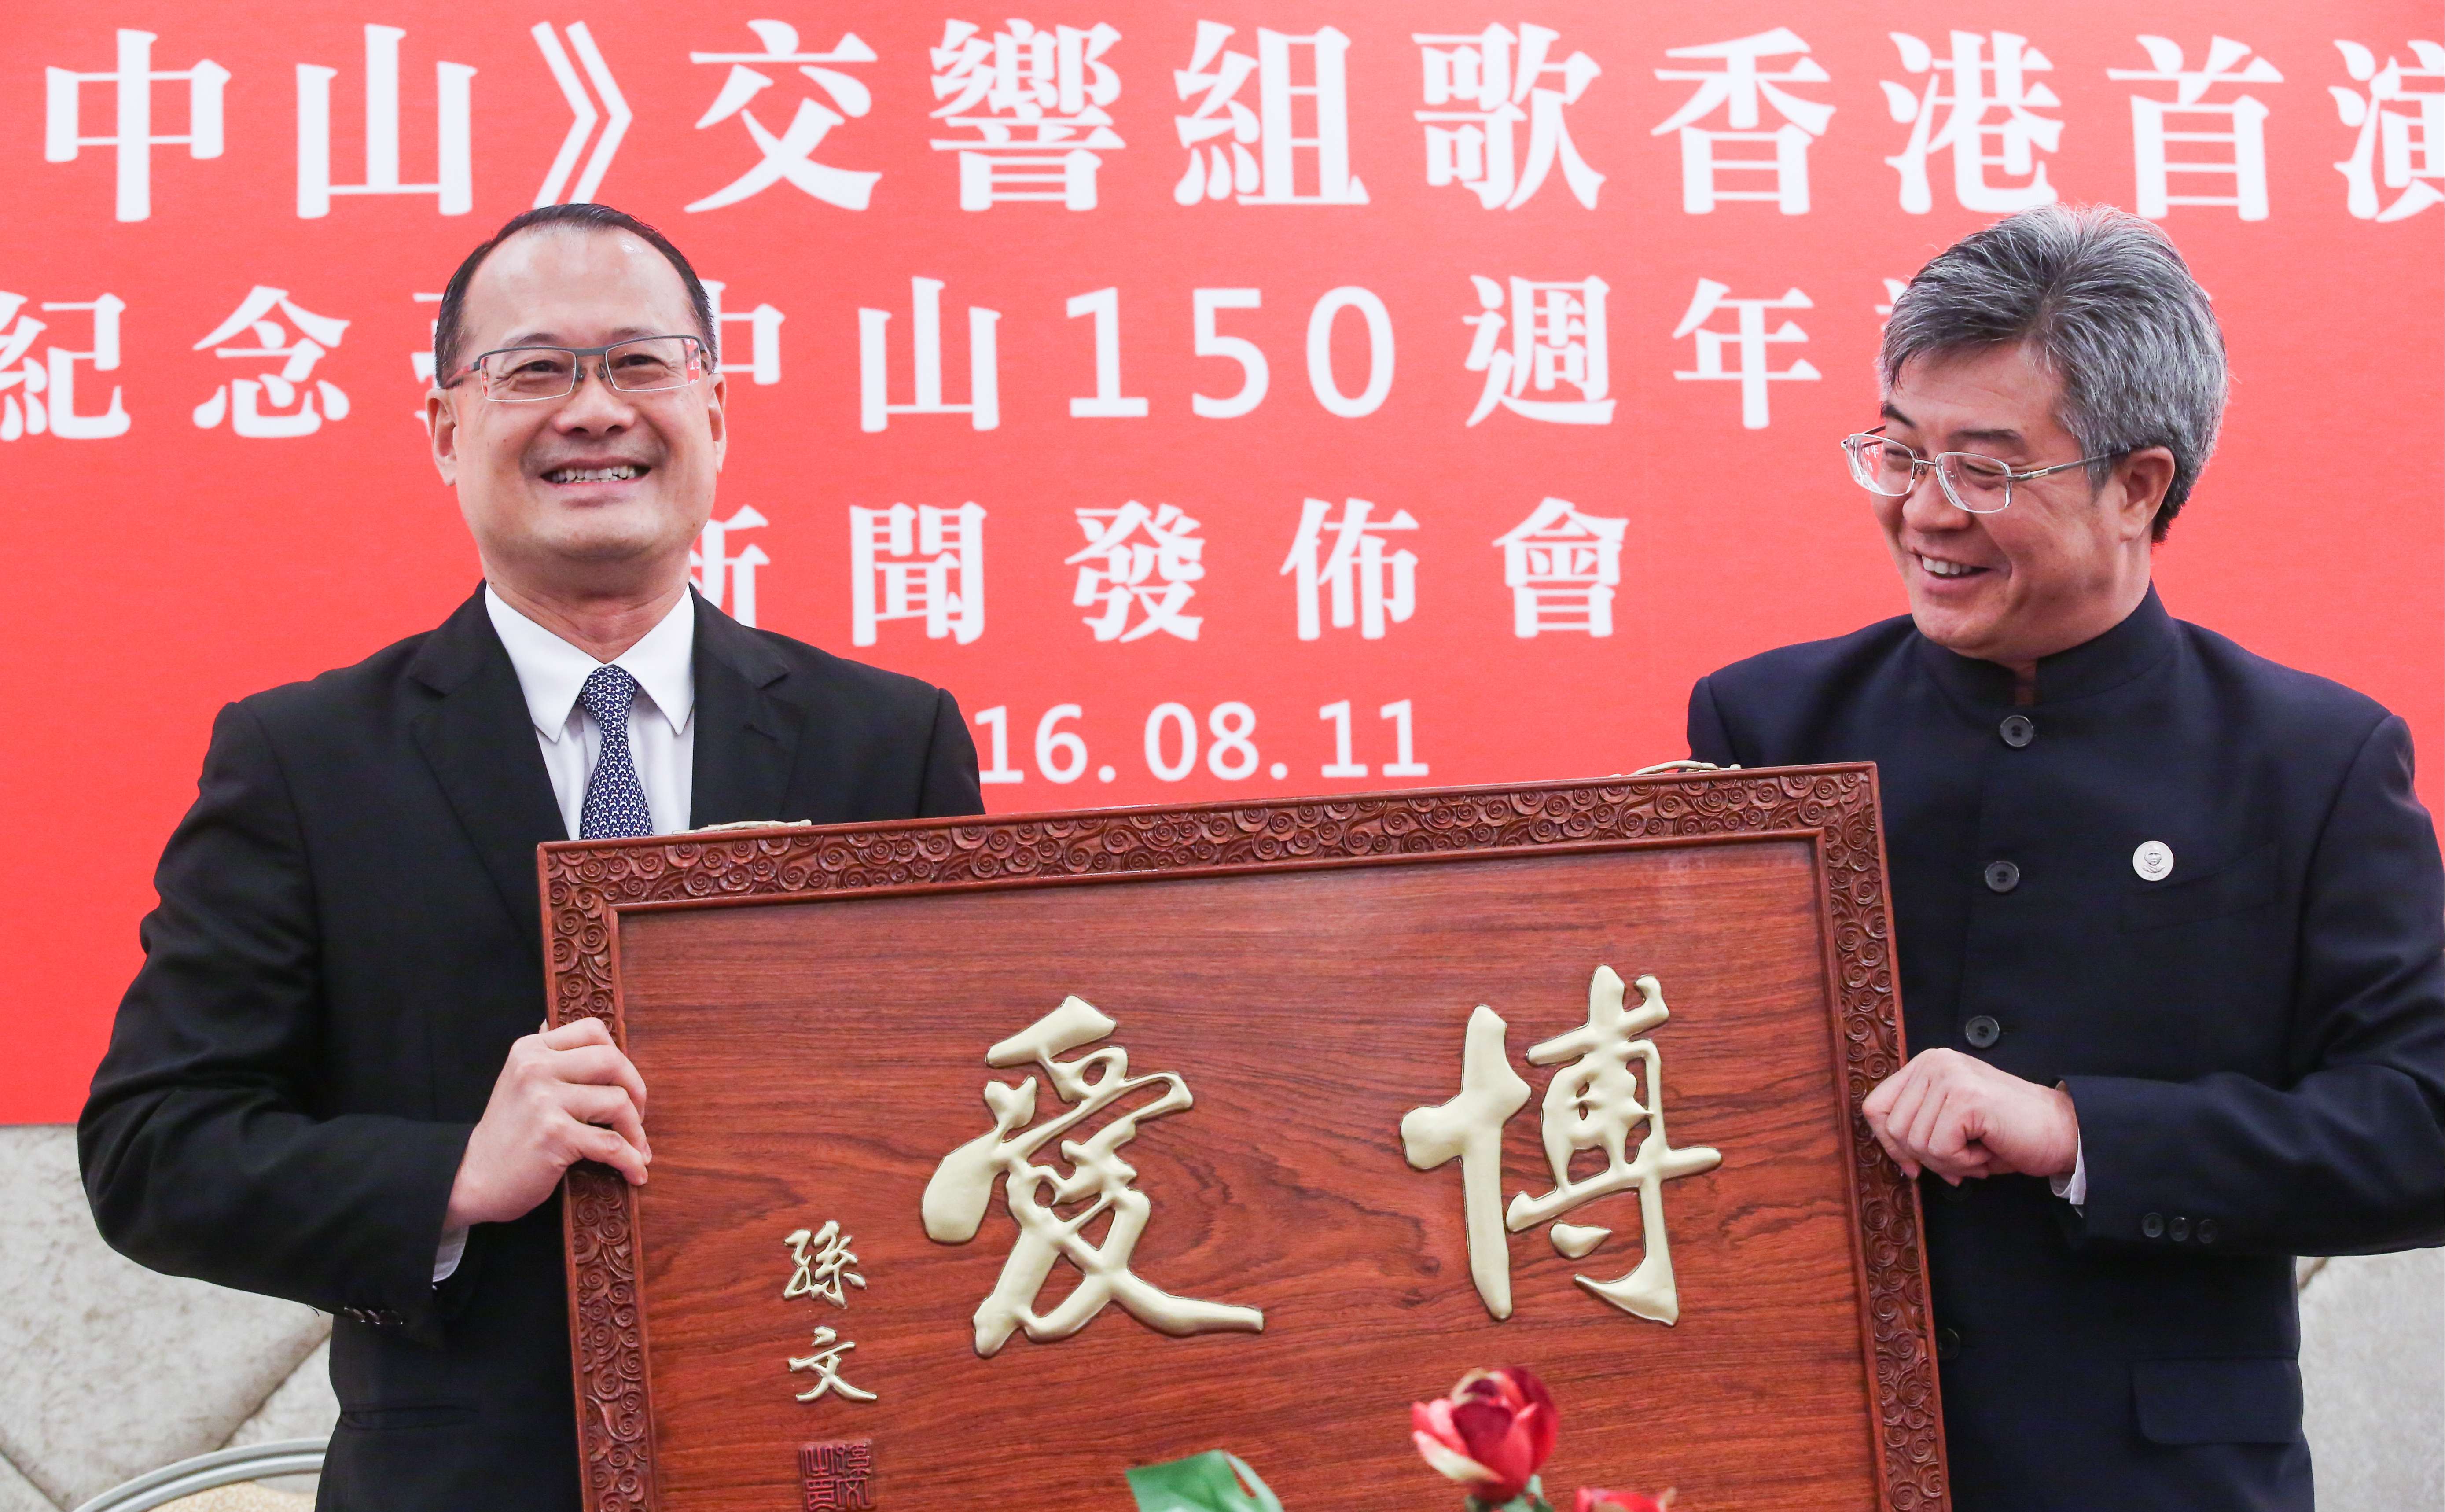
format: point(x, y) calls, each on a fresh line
point(812, 1011)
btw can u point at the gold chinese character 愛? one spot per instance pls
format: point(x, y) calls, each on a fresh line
point(962, 1188)
point(823, 1264)
point(1593, 1105)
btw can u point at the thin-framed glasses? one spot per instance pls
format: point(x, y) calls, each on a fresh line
point(1979, 484)
point(642, 365)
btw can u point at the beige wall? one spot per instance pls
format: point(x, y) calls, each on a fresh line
point(107, 1371)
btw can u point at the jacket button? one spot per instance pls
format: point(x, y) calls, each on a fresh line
point(2017, 731)
point(2153, 1225)
point(2207, 1231)
point(2001, 876)
point(2179, 1229)
point(1982, 1031)
point(1948, 1343)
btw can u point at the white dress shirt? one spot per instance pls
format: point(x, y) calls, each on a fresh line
point(2074, 1187)
point(662, 730)
point(661, 735)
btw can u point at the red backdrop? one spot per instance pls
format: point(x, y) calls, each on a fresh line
point(192, 557)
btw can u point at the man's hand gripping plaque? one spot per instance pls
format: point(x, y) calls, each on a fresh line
point(564, 1095)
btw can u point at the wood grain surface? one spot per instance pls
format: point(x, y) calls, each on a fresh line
point(814, 1050)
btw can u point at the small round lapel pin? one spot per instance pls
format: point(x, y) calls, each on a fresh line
point(2154, 861)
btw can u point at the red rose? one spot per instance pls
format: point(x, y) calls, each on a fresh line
point(1596, 1498)
point(1491, 1434)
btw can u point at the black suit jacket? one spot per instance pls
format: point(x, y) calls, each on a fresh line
point(2255, 1043)
point(349, 939)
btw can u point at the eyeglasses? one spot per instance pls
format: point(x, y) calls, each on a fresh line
point(1979, 484)
point(643, 364)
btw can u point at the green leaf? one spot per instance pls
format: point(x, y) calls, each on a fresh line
point(1532, 1499)
point(1202, 1483)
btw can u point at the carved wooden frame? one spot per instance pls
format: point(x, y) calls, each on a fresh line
point(587, 883)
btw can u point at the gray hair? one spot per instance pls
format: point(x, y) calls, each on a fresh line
point(2105, 303)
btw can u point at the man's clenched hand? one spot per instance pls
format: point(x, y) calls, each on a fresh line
point(1960, 1117)
point(564, 1095)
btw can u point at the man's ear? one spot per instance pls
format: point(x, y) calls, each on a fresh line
point(443, 421)
point(2144, 475)
point(716, 416)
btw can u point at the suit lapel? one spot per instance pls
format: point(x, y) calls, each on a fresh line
point(478, 738)
point(746, 725)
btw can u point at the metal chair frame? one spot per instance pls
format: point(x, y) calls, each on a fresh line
point(253, 1461)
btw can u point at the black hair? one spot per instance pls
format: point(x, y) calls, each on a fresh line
point(446, 330)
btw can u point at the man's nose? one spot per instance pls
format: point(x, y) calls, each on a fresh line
point(595, 405)
point(1928, 507)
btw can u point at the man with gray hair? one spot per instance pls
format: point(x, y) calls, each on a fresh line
point(2170, 922)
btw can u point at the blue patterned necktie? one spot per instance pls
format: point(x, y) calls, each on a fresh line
point(615, 800)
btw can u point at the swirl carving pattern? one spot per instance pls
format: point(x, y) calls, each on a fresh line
point(585, 885)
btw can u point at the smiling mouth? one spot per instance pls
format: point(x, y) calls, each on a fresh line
point(619, 473)
point(1937, 567)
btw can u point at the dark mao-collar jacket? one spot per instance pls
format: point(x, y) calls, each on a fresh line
point(2254, 1039)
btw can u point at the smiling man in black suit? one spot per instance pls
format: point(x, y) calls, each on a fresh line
point(327, 1081)
point(2170, 921)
